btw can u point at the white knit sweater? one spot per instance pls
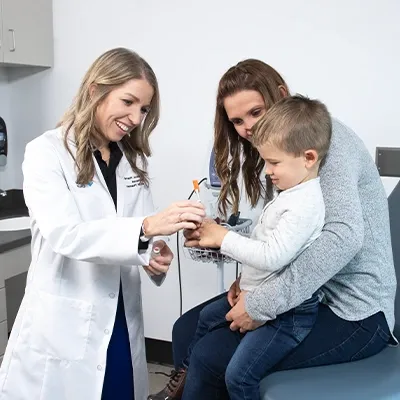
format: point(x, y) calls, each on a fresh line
point(288, 225)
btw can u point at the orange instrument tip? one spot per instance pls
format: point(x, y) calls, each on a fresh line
point(196, 185)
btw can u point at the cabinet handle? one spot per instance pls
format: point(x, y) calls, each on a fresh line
point(13, 39)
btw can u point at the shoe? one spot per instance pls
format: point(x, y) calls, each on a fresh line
point(174, 388)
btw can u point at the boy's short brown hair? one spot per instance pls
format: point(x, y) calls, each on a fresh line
point(295, 124)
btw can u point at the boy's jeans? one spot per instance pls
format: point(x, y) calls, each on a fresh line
point(259, 350)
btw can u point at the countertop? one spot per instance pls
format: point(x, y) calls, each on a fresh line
point(13, 205)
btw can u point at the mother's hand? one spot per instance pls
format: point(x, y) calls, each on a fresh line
point(239, 317)
point(181, 215)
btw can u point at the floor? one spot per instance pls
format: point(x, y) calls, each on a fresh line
point(157, 380)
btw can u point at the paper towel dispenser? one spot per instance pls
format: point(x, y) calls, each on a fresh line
point(3, 143)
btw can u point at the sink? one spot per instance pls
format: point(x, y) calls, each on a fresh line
point(14, 224)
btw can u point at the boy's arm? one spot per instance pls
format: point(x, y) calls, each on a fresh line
point(277, 248)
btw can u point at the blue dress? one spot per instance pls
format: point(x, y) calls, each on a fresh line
point(118, 378)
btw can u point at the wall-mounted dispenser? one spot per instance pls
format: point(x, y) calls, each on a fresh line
point(3, 143)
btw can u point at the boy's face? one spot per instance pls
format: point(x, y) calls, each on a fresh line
point(285, 169)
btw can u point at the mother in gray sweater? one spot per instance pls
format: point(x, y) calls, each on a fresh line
point(351, 262)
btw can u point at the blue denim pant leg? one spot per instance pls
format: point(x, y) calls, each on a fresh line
point(260, 350)
point(334, 340)
point(184, 330)
point(248, 357)
point(212, 316)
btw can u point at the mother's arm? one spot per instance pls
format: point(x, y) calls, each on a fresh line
point(340, 240)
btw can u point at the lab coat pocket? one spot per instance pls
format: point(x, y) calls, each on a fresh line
point(60, 326)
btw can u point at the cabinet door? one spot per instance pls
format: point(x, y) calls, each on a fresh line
point(28, 32)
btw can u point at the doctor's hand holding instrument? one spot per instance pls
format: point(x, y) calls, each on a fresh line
point(161, 257)
point(181, 215)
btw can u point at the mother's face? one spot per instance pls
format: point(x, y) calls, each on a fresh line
point(244, 109)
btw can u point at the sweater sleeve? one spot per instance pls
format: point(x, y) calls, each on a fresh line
point(340, 240)
point(300, 219)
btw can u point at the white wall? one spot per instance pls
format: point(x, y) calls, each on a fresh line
point(344, 52)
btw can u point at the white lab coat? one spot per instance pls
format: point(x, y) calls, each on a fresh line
point(81, 247)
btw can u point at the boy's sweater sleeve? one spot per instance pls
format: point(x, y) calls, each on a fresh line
point(301, 217)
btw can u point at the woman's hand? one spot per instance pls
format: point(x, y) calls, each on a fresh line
point(160, 264)
point(234, 292)
point(181, 215)
point(239, 317)
point(211, 234)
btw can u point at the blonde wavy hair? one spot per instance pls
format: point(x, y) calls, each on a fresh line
point(249, 74)
point(109, 71)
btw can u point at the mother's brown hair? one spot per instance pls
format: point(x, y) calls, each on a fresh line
point(249, 74)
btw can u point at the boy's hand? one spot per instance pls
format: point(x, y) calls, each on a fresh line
point(211, 234)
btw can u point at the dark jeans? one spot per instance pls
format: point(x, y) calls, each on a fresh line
point(258, 351)
point(332, 340)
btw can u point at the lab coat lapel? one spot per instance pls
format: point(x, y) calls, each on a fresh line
point(122, 166)
point(98, 176)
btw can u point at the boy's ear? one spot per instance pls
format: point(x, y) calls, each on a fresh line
point(310, 158)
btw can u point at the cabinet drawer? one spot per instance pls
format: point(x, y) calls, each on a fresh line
point(3, 306)
point(3, 336)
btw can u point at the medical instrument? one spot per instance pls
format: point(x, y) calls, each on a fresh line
point(234, 223)
point(155, 252)
point(196, 189)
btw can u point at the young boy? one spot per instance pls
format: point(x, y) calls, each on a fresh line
point(293, 139)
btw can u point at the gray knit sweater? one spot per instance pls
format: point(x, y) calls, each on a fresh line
point(352, 259)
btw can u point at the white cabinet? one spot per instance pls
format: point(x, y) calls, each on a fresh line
point(12, 263)
point(26, 32)
point(3, 337)
point(3, 305)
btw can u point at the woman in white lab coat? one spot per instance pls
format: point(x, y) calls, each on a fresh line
point(79, 331)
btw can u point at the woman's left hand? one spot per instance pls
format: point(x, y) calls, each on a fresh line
point(160, 264)
point(211, 234)
point(239, 317)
